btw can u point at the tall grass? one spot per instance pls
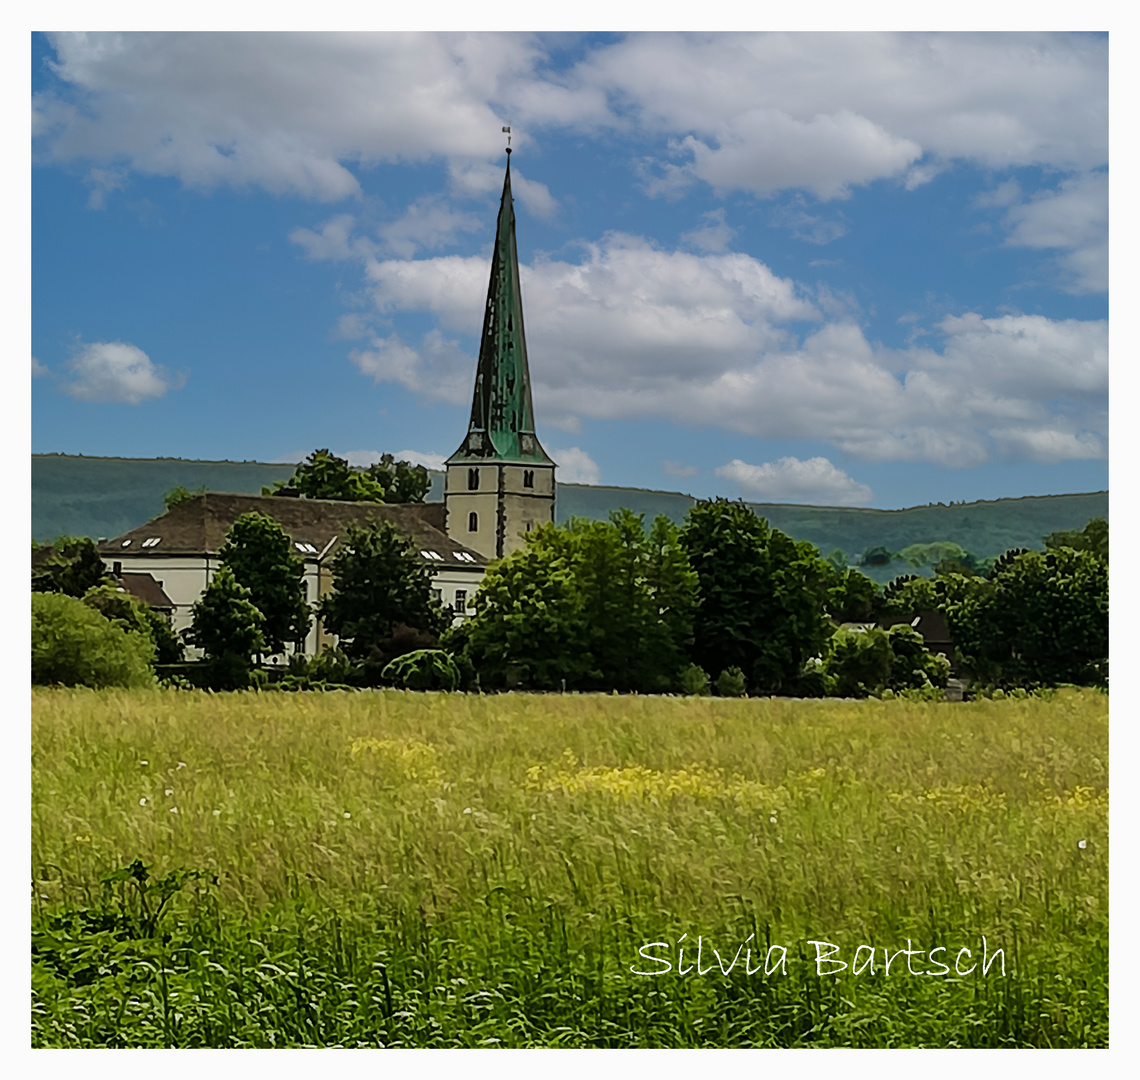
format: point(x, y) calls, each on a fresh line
point(434, 869)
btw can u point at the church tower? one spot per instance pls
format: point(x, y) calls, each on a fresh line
point(500, 482)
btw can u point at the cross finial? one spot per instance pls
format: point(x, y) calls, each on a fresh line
point(507, 132)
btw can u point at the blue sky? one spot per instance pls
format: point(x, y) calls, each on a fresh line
point(849, 269)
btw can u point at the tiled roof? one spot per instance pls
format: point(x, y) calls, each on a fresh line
point(198, 526)
point(144, 587)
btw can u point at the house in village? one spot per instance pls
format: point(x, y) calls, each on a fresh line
point(499, 486)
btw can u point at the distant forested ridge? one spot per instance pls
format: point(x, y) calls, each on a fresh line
point(103, 497)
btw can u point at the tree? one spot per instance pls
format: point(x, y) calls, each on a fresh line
point(858, 663)
point(601, 605)
point(323, 475)
point(227, 628)
point(876, 556)
point(73, 645)
point(529, 627)
point(259, 552)
point(180, 494)
point(115, 603)
point(762, 595)
point(1093, 537)
point(1042, 619)
point(69, 564)
point(852, 597)
point(379, 585)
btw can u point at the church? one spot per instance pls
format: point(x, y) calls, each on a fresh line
point(499, 485)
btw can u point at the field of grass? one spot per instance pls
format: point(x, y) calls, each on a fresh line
point(391, 869)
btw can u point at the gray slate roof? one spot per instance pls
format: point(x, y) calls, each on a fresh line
point(198, 526)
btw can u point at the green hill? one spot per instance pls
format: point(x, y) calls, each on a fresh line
point(103, 497)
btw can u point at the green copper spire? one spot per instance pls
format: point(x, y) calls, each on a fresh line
point(502, 414)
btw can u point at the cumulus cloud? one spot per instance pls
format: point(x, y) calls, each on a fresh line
point(290, 112)
point(816, 481)
point(115, 371)
point(438, 365)
point(334, 241)
point(633, 331)
point(1073, 217)
point(837, 109)
point(575, 466)
point(428, 223)
point(38, 369)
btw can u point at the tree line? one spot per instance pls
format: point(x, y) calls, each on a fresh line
point(722, 602)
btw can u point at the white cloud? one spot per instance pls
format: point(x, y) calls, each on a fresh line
point(825, 111)
point(290, 112)
point(334, 241)
point(632, 331)
point(428, 223)
point(713, 235)
point(575, 466)
point(115, 371)
point(1074, 219)
point(282, 111)
point(38, 369)
point(416, 457)
point(810, 227)
point(364, 458)
point(439, 367)
point(677, 468)
point(791, 480)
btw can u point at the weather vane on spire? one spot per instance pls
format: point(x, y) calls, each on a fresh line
point(507, 132)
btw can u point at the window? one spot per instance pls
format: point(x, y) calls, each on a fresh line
point(460, 601)
point(435, 556)
point(437, 594)
point(472, 479)
point(528, 478)
point(473, 522)
point(117, 569)
point(529, 526)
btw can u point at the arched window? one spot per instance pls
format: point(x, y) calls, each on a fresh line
point(473, 522)
point(472, 479)
point(528, 478)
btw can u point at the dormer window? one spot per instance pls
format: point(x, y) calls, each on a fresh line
point(472, 479)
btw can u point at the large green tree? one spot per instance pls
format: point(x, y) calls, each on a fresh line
point(227, 628)
point(1041, 619)
point(259, 552)
point(69, 564)
point(74, 645)
point(380, 585)
point(763, 595)
point(1093, 537)
point(601, 605)
point(323, 475)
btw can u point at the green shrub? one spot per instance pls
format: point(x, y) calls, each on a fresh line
point(73, 645)
point(424, 669)
point(694, 680)
point(731, 683)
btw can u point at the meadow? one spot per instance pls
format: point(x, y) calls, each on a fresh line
point(399, 869)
